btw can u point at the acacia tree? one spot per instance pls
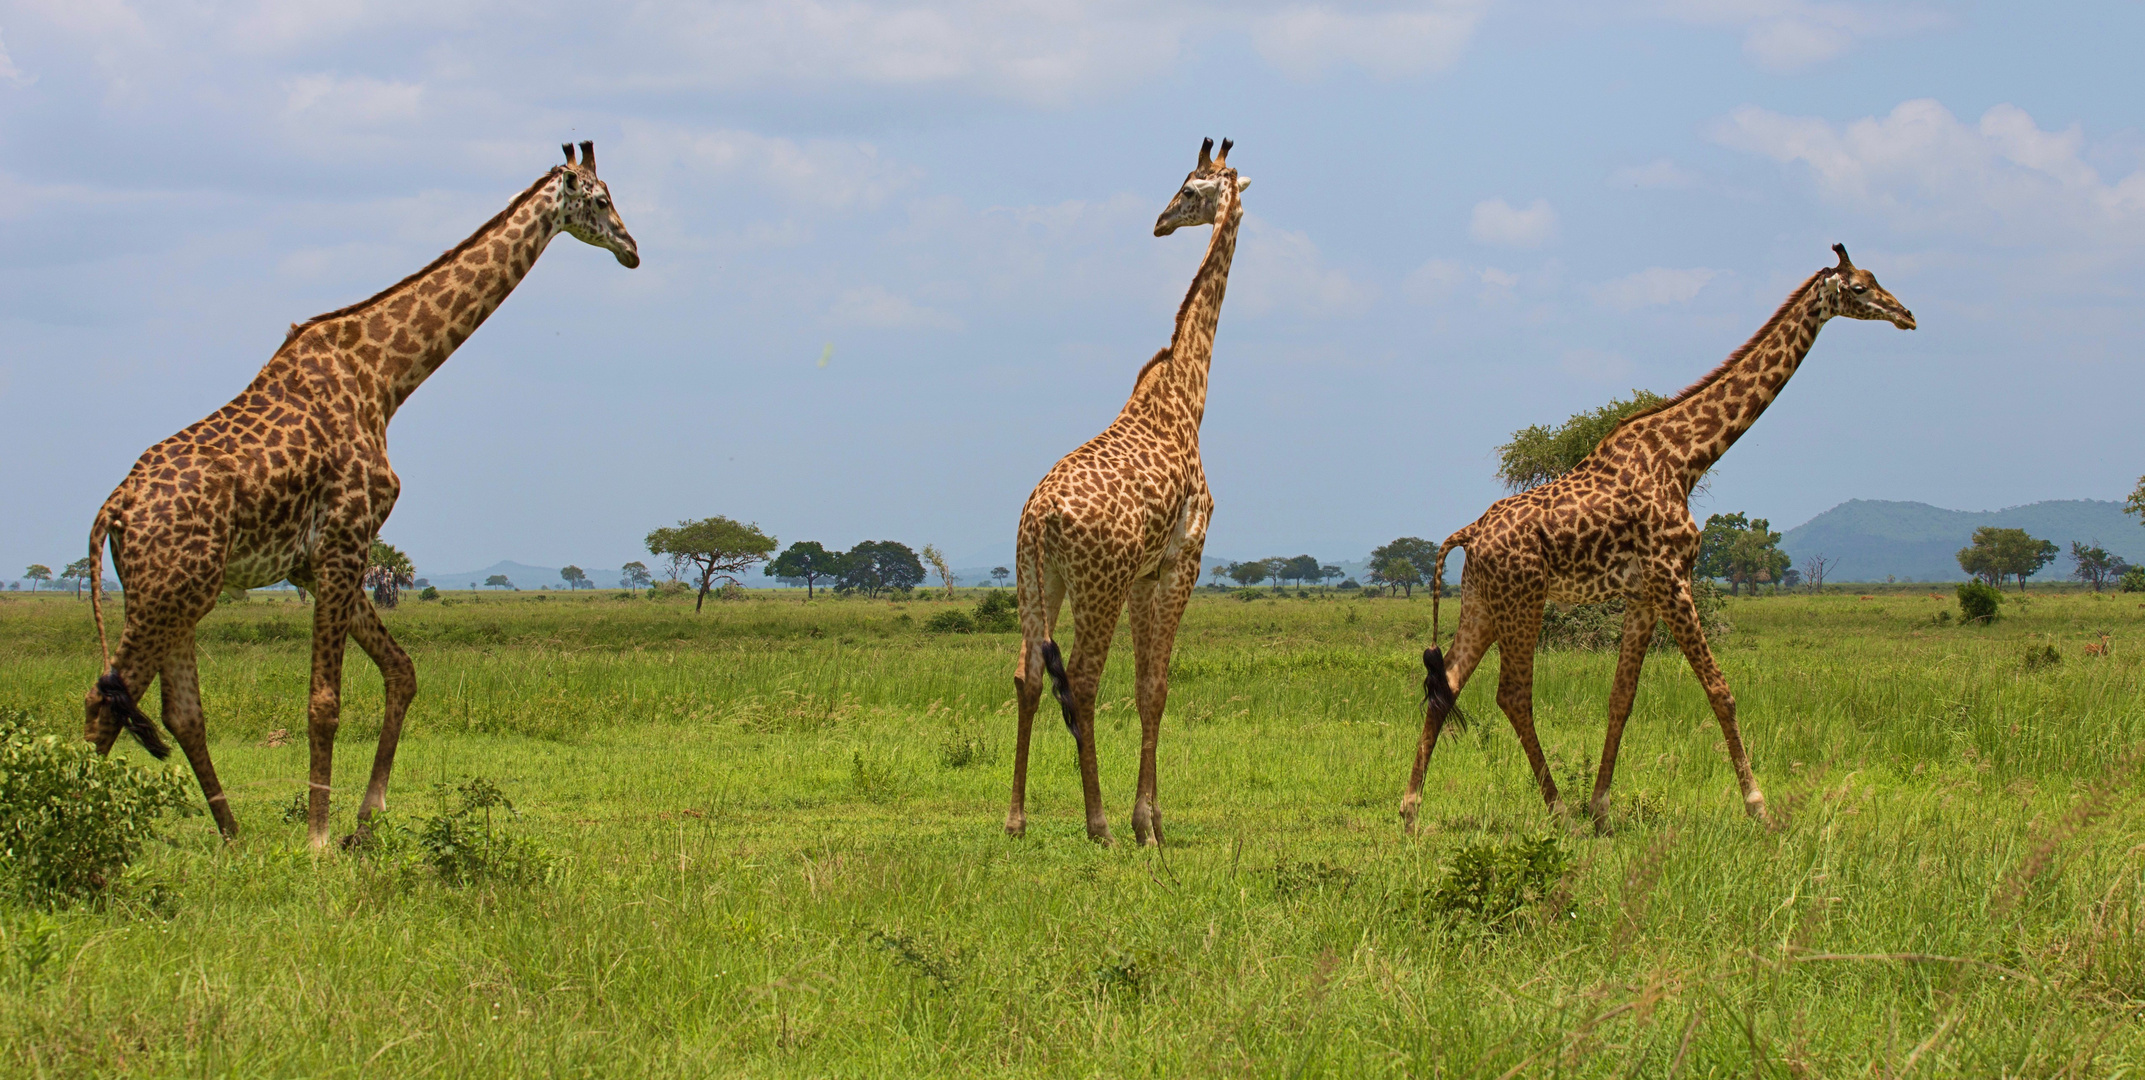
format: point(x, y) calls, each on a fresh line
point(387, 572)
point(1396, 572)
point(1328, 572)
point(1997, 554)
point(499, 581)
point(711, 548)
point(1413, 550)
point(877, 566)
point(1248, 573)
point(635, 575)
point(999, 574)
point(2135, 504)
point(575, 577)
point(1301, 569)
point(36, 573)
point(1536, 455)
point(2094, 566)
point(806, 561)
point(78, 572)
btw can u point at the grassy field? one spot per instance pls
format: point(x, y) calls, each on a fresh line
point(771, 845)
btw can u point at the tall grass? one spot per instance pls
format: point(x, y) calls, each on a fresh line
point(773, 842)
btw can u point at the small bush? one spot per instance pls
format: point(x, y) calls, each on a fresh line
point(962, 751)
point(1248, 595)
point(2133, 580)
point(1491, 883)
point(669, 590)
point(952, 621)
point(70, 820)
point(1978, 601)
point(1350, 585)
point(997, 612)
point(2039, 657)
point(431, 593)
point(467, 846)
point(1601, 626)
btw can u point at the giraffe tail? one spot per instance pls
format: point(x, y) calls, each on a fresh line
point(1437, 688)
point(1060, 685)
point(138, 724)
point(97, 531)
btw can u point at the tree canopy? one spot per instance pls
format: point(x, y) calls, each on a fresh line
point(711, 548)
point(1742, 550)
point(387, 572)
point(1536, 455)
point(635, 575)
point(1396, 572)
point(877, 566)
point(498, 581)
point(2093, 565)
point(806, 561)
point(1248, 573)
point(1997, 554)
point(1413, 550)
point(79, 572)
point(36, 573)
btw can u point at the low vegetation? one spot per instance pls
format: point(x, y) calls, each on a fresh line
point(765, 840)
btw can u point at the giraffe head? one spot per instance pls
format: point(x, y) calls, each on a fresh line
point(585, 210)
point(1854, 292)
point(1206, 191)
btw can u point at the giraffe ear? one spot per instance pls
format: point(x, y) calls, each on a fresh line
point(1206, 154)
point(568, 147)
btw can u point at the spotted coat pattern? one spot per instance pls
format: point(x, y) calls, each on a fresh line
point(291, 481)
point(1121, 522)
point(1619, 525)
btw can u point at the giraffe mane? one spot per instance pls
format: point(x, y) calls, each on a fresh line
point(1152, 362)
point(445, 257)
point(1720, 369)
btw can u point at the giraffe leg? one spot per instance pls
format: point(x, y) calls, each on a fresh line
point(1039, 617)
point(1638, 635)
point(183, 715)
point(335, 598)
point(1681, 613)
point(1157, 608)
point(1469, 644)
point(136, 667)
point(1094, 624)
point(400, 677)
point(1515, 695)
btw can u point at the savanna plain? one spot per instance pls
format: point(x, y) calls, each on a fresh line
point(766, 839)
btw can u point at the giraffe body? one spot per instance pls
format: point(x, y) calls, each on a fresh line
point(1619, 525)
point(1119, 525)
point(291, 481)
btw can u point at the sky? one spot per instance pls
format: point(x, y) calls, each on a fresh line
point(898, 258)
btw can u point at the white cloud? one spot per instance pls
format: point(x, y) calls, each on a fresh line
point(1433, 282)
point(1281, 270)
point(830, 173)
point(1923, 169)
point(1498, 222)
point(1789, 35)
point(1304, 41)
point(1652, 287)
point(1656, 175)
point(358, 102)
point(9, 72)
point(875, 307)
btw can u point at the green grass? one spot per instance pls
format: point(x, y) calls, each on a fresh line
point(775, 849)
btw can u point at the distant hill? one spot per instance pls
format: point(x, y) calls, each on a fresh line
point(522, 575)
point(1915, 541)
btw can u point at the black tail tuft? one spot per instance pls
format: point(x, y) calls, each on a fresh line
point(137, 722)
point(1060, 685)
point(1437, 691)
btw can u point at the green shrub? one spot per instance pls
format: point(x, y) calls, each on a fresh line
point(1978, 601)
point(70, 820)
point(954, 621)
point(466, 845)
point(669, 590)
point(1248, 595)
point(2042, 656)
point(1491, 883)
point(997, 612)
point(431, 593)
point(2133, 580)
point(1601, 626)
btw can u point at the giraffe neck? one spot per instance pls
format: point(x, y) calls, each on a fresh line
point(1723, 407)
point(396, 340)
point(1178, 382)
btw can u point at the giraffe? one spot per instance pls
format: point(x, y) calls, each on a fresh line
point(291, 481)
point(1122, 521)
point(1619, 524)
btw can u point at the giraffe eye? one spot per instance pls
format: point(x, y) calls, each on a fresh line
point(1860, 289)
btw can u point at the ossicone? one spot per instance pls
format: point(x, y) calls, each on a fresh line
point(568, 147)
point(1845, 262)
point(1206, 154)
point(1221, 160)
point(588, 154)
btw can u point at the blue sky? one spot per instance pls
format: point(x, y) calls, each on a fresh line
point(1466, 217)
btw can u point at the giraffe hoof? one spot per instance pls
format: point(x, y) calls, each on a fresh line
point(1101, 837)
point(1015, 830)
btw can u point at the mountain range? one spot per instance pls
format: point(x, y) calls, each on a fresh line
point(1910, 541)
